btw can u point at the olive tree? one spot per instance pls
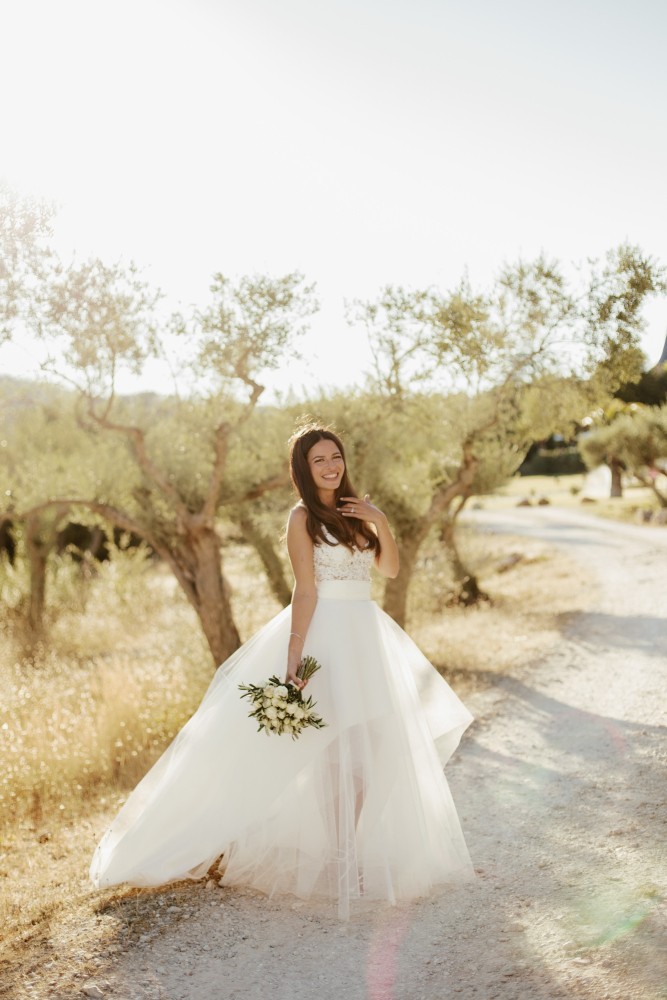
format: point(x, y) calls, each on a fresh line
point(100, 319)
point(637, 439)
point(523, 360)
point(45, 455)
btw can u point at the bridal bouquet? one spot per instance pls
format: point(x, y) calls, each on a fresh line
point(281, 708)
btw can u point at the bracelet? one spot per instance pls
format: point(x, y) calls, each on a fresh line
point(298, 636)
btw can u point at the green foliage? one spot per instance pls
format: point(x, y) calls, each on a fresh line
point(533, 323)
point(617, 292)
point(396, 326)
point(46, 454)
point(99, 318)
point(25, 226)
point(650, 389)
point(463, 381)
point(402, 455)
point(248, 328)
point(638, 438)
point(535, 314)
point(463, 335)
point(180, 435)
point(550, 404)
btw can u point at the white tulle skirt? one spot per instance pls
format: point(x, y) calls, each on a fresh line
point(360, 808)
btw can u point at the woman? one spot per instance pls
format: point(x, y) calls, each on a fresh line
point(360, 807)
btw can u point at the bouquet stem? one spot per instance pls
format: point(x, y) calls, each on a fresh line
point(307, 667)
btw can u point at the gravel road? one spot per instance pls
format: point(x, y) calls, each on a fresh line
point(561, 789)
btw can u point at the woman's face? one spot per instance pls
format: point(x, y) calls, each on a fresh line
point(326, 465)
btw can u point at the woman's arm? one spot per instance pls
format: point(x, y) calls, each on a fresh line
point(304, 595)
point(387, 563)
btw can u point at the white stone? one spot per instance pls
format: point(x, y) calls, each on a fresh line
point(91, 990)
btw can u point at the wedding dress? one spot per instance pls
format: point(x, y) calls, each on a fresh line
point(361, 807)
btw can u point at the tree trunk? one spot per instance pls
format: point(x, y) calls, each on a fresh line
point(38, 552)
point(617, 468)
point(271, 562)
point(194, 558)
point(649, 481)
point(40, 540)
point(198, 568)
point(467, 590)
point(396, 590)
point(412, 535)
point(213, 605)
point(660, 497)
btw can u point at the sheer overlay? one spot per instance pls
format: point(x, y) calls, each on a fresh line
point(360, 808)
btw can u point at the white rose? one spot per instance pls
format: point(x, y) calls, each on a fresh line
point(272, 713)
point(279, 702)
point(291, 708)
point(268, 691)
point(298, 712)
point(281, 691)
point(266, 702)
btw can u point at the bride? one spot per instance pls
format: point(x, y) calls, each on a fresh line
point(360, 807)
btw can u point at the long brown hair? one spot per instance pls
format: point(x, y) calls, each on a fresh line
point(344, 529)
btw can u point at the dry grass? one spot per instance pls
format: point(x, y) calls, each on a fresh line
point(125, 669)
point(533, 591)
point(85, 717)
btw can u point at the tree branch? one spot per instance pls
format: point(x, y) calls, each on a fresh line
point(137, 440)
point(218, 472)
point(127, 523)
point(273, 483)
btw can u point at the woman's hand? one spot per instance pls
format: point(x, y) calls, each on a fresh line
point(387, 562)
point(291, 677)
point(363, 509)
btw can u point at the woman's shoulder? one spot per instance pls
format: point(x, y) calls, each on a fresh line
point(298, 515)
point(297, 528)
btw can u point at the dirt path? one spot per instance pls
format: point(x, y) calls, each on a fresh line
point(561, 789)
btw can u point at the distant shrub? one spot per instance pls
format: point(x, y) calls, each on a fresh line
point(553, 462)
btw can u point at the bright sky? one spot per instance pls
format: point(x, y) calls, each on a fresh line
point(360, 141)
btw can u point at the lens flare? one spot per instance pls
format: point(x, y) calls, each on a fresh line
point(381, 965)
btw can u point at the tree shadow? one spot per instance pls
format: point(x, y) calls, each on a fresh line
point(638, 633)
point(587, 819)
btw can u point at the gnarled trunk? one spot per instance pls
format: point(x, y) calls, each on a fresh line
point(649, 480)
point(197, 565)
point(396, 590)
point(273, 567)
point(38, 552)
point(660, 497)
point(40, 538)
point(467, 590)
point(412, 535)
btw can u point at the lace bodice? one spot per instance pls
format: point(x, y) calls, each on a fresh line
point(337, 562)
